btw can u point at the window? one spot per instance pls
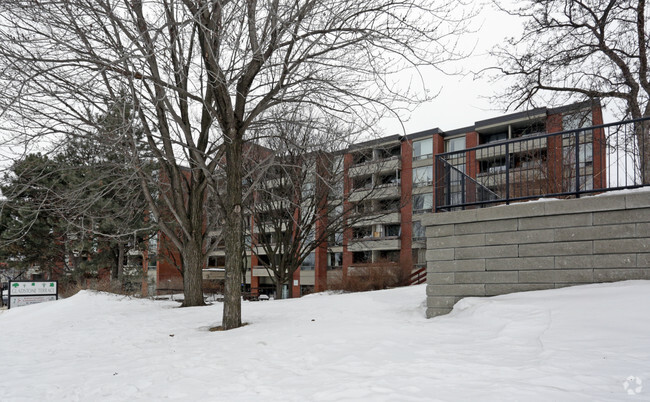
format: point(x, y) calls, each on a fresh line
point(215, 261)
point(389, 179)
point(335, 260)
point(361, 257)
point(336, 239)
point(423, 149)
point(455, 144)
point(586, 153)
point(422, 176)
point(389, 255)
point(363, 207)
point(362, 232)
point(308, 263)
point(573, 121)
point(586, 183)
point(389, 204)
point(418, 230)
point(423, 202)
point(307, 190)
point(456, 189)
point(385, 153)
point(533, 129)
point(363, 182)
point(392, 230)
point(362, 157)
point(495, 137)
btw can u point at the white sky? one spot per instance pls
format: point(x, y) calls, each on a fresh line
point(464, 100)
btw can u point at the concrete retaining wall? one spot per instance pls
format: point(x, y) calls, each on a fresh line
point(536, 245)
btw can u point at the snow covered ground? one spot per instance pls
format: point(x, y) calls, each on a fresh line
point(575, 344)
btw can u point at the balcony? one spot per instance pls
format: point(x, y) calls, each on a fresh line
point(375, 166)
point(499, 151)
point(375, 243)
point(387, 191)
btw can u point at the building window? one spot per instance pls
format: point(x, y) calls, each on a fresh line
point(392, 230)
point(362, 157)
point(308, 263)
point(423, 176)
point(389, 152)
point(362, 232)
point(361, 257)
point(586, 153)
point(495, 137)
point(389, 255)
point(418, 230)
point(576, 120)
point(455, 144)
point(336, 238)
point(456, 188)
point(389, 179)
point(422, 202)
point(363, 207)
point(362, 182)
point(389, 204)
point(423, 149)
point(335, 260)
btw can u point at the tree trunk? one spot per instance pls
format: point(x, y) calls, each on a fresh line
point(120, 264)
point(192, 256)
point(234, 231)
point(144, 290)
point(278, 288)
point(114, 269)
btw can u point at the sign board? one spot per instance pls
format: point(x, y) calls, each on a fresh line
point(19, 301)
point(23, 293)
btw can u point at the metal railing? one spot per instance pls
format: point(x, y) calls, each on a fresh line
point(564, 164)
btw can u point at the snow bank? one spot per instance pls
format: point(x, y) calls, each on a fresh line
point(580, 343)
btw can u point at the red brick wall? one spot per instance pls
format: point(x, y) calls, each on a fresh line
point(438, 148)
point(599, 149)
point(347, 233)
point(554, 162)
point(406, 211)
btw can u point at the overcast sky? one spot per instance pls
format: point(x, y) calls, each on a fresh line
point(464, 100)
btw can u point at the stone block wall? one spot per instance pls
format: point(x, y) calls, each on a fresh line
point(536, 245)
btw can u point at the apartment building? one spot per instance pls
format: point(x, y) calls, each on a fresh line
point(387, 183)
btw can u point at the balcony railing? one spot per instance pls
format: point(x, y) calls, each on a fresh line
point(565, 164)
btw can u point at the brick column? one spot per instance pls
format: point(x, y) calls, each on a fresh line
point(320, 253)
point(295, 290)
point(406, 210)
point(347, 232)
point(554, 160)
point(255, 281)
point(438, 173)
point(471, 167)
point(599, 150)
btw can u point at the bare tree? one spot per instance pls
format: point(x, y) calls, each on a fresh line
point(297, 203)
point(586, 49)
point(78, 211)
point(201, 74)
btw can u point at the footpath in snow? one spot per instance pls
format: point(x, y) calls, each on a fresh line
point(587, 343)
